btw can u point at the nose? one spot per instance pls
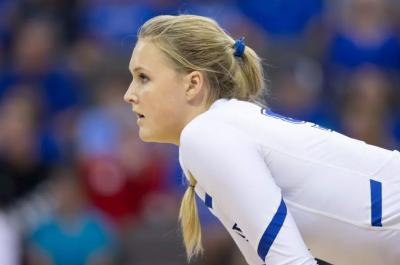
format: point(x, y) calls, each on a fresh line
point(130, 96)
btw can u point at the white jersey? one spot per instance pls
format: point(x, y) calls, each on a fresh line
point(288, 190)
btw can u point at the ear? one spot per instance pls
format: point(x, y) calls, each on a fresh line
point(195, 85)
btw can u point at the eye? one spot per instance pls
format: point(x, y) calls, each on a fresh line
point(143, 78)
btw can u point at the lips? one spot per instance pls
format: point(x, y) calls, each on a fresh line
point(139, 115)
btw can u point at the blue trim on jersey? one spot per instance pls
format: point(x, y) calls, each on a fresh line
point(376, 203)
point(208, 201)
point(269, 112)
point(272, 231)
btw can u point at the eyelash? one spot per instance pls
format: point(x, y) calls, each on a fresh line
point(144, 78)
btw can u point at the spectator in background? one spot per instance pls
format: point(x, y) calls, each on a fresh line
point(297, 92)
point(9, 239)
point(21, 165)
point(9, 242)
point(120, 171)
point(366, 113)
point(127, 179)
point(61, 12)
point(123, 18)
point(73, 234)
point(89, 60)
point(394, 13)
point(283, 18)
point(364, 34)
point(7, 17)
point(289, 25)
point(36, 64)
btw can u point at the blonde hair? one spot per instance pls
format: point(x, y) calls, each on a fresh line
point(196, 43)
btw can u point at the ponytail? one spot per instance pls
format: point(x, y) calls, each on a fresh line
point(248, 75)
point(190, 222)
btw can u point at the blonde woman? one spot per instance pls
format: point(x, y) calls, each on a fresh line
point(285, 190)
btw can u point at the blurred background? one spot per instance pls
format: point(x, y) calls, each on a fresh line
point(77, 186)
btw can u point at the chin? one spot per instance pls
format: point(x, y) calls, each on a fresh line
point(148, 137)
point(145, 137)
point(151, 138)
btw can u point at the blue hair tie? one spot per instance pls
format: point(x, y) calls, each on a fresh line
point(239, 47)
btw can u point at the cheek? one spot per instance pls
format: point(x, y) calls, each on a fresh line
point(165, 121)
point(165, 105)
point(167, 116)
point(173, 108)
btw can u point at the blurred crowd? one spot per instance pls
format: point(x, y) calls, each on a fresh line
point(77, 186)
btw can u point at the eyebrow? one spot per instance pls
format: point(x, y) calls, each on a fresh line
point(136, 69)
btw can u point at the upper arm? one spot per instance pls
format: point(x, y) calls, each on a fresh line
point(231, 168)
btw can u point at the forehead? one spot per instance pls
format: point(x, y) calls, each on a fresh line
point(148, 56)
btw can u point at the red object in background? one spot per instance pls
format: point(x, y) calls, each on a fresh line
point(120, 193)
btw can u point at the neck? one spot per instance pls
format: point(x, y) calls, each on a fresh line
point(195, 111)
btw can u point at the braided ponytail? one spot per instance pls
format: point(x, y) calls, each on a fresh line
point(190, 223)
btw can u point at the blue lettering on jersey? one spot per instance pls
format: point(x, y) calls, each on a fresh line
point(376, 202)
point(272, 230)
point(239, 231)
point(321, 127)
point(272, 114)
point(208, 200)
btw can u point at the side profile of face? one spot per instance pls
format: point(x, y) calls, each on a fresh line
point(159, 94)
